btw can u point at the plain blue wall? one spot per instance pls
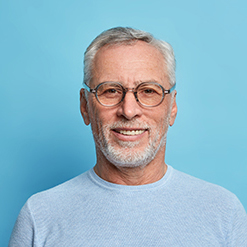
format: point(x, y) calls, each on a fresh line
point(43, 140)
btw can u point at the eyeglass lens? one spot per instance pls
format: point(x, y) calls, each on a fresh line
point(149, 94)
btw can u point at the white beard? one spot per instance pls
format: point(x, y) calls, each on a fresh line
point(123, 154)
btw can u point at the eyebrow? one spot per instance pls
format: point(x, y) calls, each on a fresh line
point(152, 80)
point(136, 83)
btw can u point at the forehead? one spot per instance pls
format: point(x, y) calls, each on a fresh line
point(129, 64)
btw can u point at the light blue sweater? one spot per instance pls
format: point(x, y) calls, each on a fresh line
point(178, 210)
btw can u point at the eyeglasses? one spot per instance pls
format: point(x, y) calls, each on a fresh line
point(148, 94)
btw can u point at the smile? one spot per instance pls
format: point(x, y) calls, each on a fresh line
point(130, 132)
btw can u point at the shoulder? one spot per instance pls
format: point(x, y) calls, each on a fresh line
point(209, 205)
point(209, 201)
point(187, 182)
point(204, 192)
point(63, 194)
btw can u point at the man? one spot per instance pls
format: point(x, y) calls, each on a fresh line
point(131, 197)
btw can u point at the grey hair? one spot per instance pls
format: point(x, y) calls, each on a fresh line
point(127, 36)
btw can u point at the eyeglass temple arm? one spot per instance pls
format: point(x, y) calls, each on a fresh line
point(88, 88)
point(170, 90)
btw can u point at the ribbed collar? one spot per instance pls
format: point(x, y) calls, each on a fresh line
point(111, 186)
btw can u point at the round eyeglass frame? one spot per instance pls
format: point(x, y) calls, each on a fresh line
point(134, 90)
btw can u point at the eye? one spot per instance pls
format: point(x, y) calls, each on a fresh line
point(110, 91)
point(148, 91)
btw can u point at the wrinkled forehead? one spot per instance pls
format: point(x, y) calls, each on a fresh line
point(135, 62)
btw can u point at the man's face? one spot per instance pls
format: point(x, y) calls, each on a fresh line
point(129, 135)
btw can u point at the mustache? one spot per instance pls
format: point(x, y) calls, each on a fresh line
point(135, 123)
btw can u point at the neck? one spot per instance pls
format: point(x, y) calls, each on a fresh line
point(150, 173)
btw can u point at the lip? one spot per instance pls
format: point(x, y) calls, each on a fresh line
point(131, 134)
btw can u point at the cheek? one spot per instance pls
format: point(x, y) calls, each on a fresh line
point(160, 117)
point(94, 112)
point(160, 122)
point(100, 114)
point(98, 120)
point(93, 116)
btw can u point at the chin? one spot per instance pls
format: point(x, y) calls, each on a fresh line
point(128, 157)
point(130, 154)
point(122, 163)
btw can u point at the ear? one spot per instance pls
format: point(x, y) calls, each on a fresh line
point(174, 110)
point(84, 107)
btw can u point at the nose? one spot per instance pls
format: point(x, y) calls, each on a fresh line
point(129, 108)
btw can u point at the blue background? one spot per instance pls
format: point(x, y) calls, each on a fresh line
point(43, 140)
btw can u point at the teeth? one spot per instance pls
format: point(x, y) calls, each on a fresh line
point(131, 132)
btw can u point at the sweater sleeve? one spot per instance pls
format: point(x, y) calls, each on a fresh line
point(237, 235)
point(24, 229)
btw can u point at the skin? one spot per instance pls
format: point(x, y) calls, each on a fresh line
point(130, 65)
